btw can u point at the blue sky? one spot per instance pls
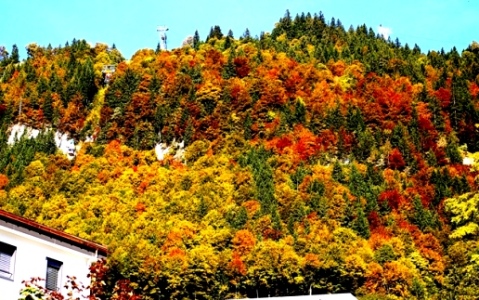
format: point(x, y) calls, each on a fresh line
point(131, 25)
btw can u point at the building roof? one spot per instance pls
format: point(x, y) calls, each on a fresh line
point(52, 233)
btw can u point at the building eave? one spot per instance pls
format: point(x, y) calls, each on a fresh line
point(53, 233)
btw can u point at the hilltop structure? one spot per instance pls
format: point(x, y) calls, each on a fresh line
point(162, 31)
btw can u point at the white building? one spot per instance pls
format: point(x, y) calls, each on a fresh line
point(29, 249)
point(345, 296)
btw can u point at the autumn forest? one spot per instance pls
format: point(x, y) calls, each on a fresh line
point(311, 157)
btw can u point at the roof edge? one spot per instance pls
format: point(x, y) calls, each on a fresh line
point(53, 233)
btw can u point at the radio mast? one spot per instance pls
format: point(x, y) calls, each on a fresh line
point(162, 31)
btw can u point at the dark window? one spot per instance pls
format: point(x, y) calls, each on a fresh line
point(7, 260)
point(53, 274)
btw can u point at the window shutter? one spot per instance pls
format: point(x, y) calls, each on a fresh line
point(6, 254)
point(5, 260)
point(53, 270)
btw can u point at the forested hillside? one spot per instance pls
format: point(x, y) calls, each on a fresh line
point(316, 157)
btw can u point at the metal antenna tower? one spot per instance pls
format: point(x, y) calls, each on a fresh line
point(162, 30)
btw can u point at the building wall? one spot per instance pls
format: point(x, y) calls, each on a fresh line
point(31, 260)
point(345, 296)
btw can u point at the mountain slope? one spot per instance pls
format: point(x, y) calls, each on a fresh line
point(315, 157)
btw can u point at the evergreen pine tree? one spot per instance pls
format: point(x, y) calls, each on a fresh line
point(42, 86)
point(227, 43)
point(348, 214)
point(422, 217)
point(229, 69)
point(357, 185)
point(263, 178)
point(30, 71)
point(46, 142)
point(298, 176)
point(55, 83)
point(196, 40)
point(413, 128)
point(364, 146)
point(338, 174)
point(276, 219)
point(300, 111)
point(334, 118)
point(360, 223)
point(189, 132)
point(284, 25)
point(316, 190)
point(246, 35)
point(86, 82)
point(416, 50)
point(241, 218)
point(48, 107)
point(355, 120)
point(371, 196)
point(215, 32)
point(258, 58)
point(333, 22)
point(452, 152)
point(14, 56)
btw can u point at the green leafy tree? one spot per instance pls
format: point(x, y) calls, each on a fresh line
point(462, 277)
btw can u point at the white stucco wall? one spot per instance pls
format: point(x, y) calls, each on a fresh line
point(313, 297)
point(31, 261)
